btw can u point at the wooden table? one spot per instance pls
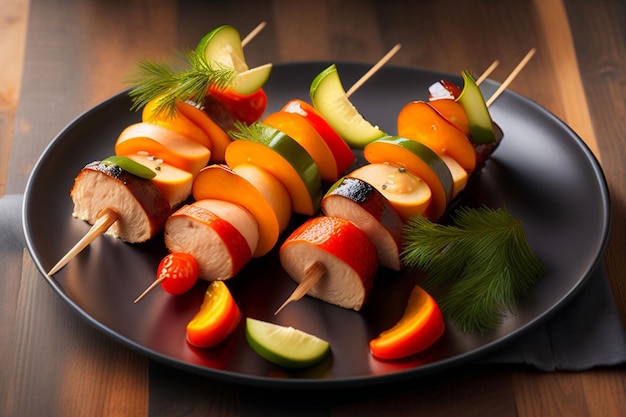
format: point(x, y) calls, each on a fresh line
point(60, 57)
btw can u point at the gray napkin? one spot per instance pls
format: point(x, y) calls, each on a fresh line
point(586, 333)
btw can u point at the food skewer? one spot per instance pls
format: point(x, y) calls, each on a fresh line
point(317, 271)
point(106, 217)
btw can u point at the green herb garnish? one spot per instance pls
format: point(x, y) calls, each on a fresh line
point(482, 262)
point(154, 79)
point(255, 132)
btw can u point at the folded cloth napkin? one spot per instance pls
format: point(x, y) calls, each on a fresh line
point(586, 333)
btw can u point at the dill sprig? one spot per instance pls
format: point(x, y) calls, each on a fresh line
point(482, 262)
point(255, 132)
point(161, 80)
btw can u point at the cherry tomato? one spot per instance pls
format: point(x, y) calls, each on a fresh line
point(178, 272)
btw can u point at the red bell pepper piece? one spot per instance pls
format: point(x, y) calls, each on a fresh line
point(246, 108)
point(344, 156)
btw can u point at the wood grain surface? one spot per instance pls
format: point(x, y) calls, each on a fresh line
point(58, 58)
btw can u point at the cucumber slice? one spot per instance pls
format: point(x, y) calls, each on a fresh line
point(130, 166)
point(471, 98)
point(329, 98)
point(247, 82)
point(285, 346)
point(222, 46)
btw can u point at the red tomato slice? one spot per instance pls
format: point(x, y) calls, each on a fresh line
point(218, 317)
point(420, 326)
point(245, 108)
point(344, 156)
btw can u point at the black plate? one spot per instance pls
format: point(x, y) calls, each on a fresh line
point(542, 173)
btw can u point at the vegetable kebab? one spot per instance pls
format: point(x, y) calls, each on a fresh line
point(184, 122)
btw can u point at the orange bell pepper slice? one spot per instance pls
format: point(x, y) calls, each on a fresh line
point(454, 112)
point(421, 325)
point(422, 123)
point(297, 128)
point(218, 137)
point(177, 122)
point(218, 317)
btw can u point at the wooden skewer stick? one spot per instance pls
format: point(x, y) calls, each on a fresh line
point(487, 72)
point(105, 218)
point(372, 70)
point(150, 288)
point(313, 274)
point(253, 33)
point(511, 76)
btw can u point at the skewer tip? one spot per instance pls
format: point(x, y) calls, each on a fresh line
point(373, 70)
point(314, 273)
point(282, 306)
point(105, 218)
point(253, 33)
point(150, 288)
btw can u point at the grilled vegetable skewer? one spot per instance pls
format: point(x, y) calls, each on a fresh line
point(138, 198)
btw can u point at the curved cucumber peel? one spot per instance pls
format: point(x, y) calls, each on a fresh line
point(130, 166)
point(471, 98)
point(329, 98)
point(285, 346)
